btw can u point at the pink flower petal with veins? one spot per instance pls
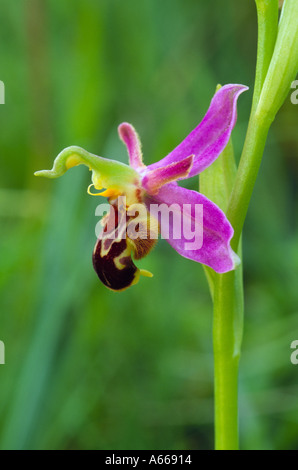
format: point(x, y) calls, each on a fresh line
point(216, 230)
point(209, 138)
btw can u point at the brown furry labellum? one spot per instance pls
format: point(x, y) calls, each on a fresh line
point(122, 238)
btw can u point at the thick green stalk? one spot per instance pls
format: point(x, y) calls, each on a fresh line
point(228, 288)
point(227, 339)
point(247, 174)
point(277, 65)
point(282, 70)
point(216, 182)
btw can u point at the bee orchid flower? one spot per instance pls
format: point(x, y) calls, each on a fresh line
point(138, 186)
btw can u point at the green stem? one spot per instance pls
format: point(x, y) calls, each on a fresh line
point(228, 287)
point(227, 339)
point(228, 297)
point(276, 67)
point(258, 126)
point(247, 174)
point(267, 11)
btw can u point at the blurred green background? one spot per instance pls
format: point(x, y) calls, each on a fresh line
point(87, 368)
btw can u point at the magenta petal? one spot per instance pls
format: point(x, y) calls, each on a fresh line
point(129, 136)
point(154, 179)
point(210, 137)
point(213, 249)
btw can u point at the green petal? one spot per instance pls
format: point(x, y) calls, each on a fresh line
point(105, 173)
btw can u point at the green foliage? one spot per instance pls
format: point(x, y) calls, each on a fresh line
point(86, 367)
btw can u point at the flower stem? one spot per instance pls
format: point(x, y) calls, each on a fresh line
point(228, 297)
point(267, 11)
point(228, 288)
point(227, 339)
point(247, 174)
point(276, 67)
point(259, 123)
